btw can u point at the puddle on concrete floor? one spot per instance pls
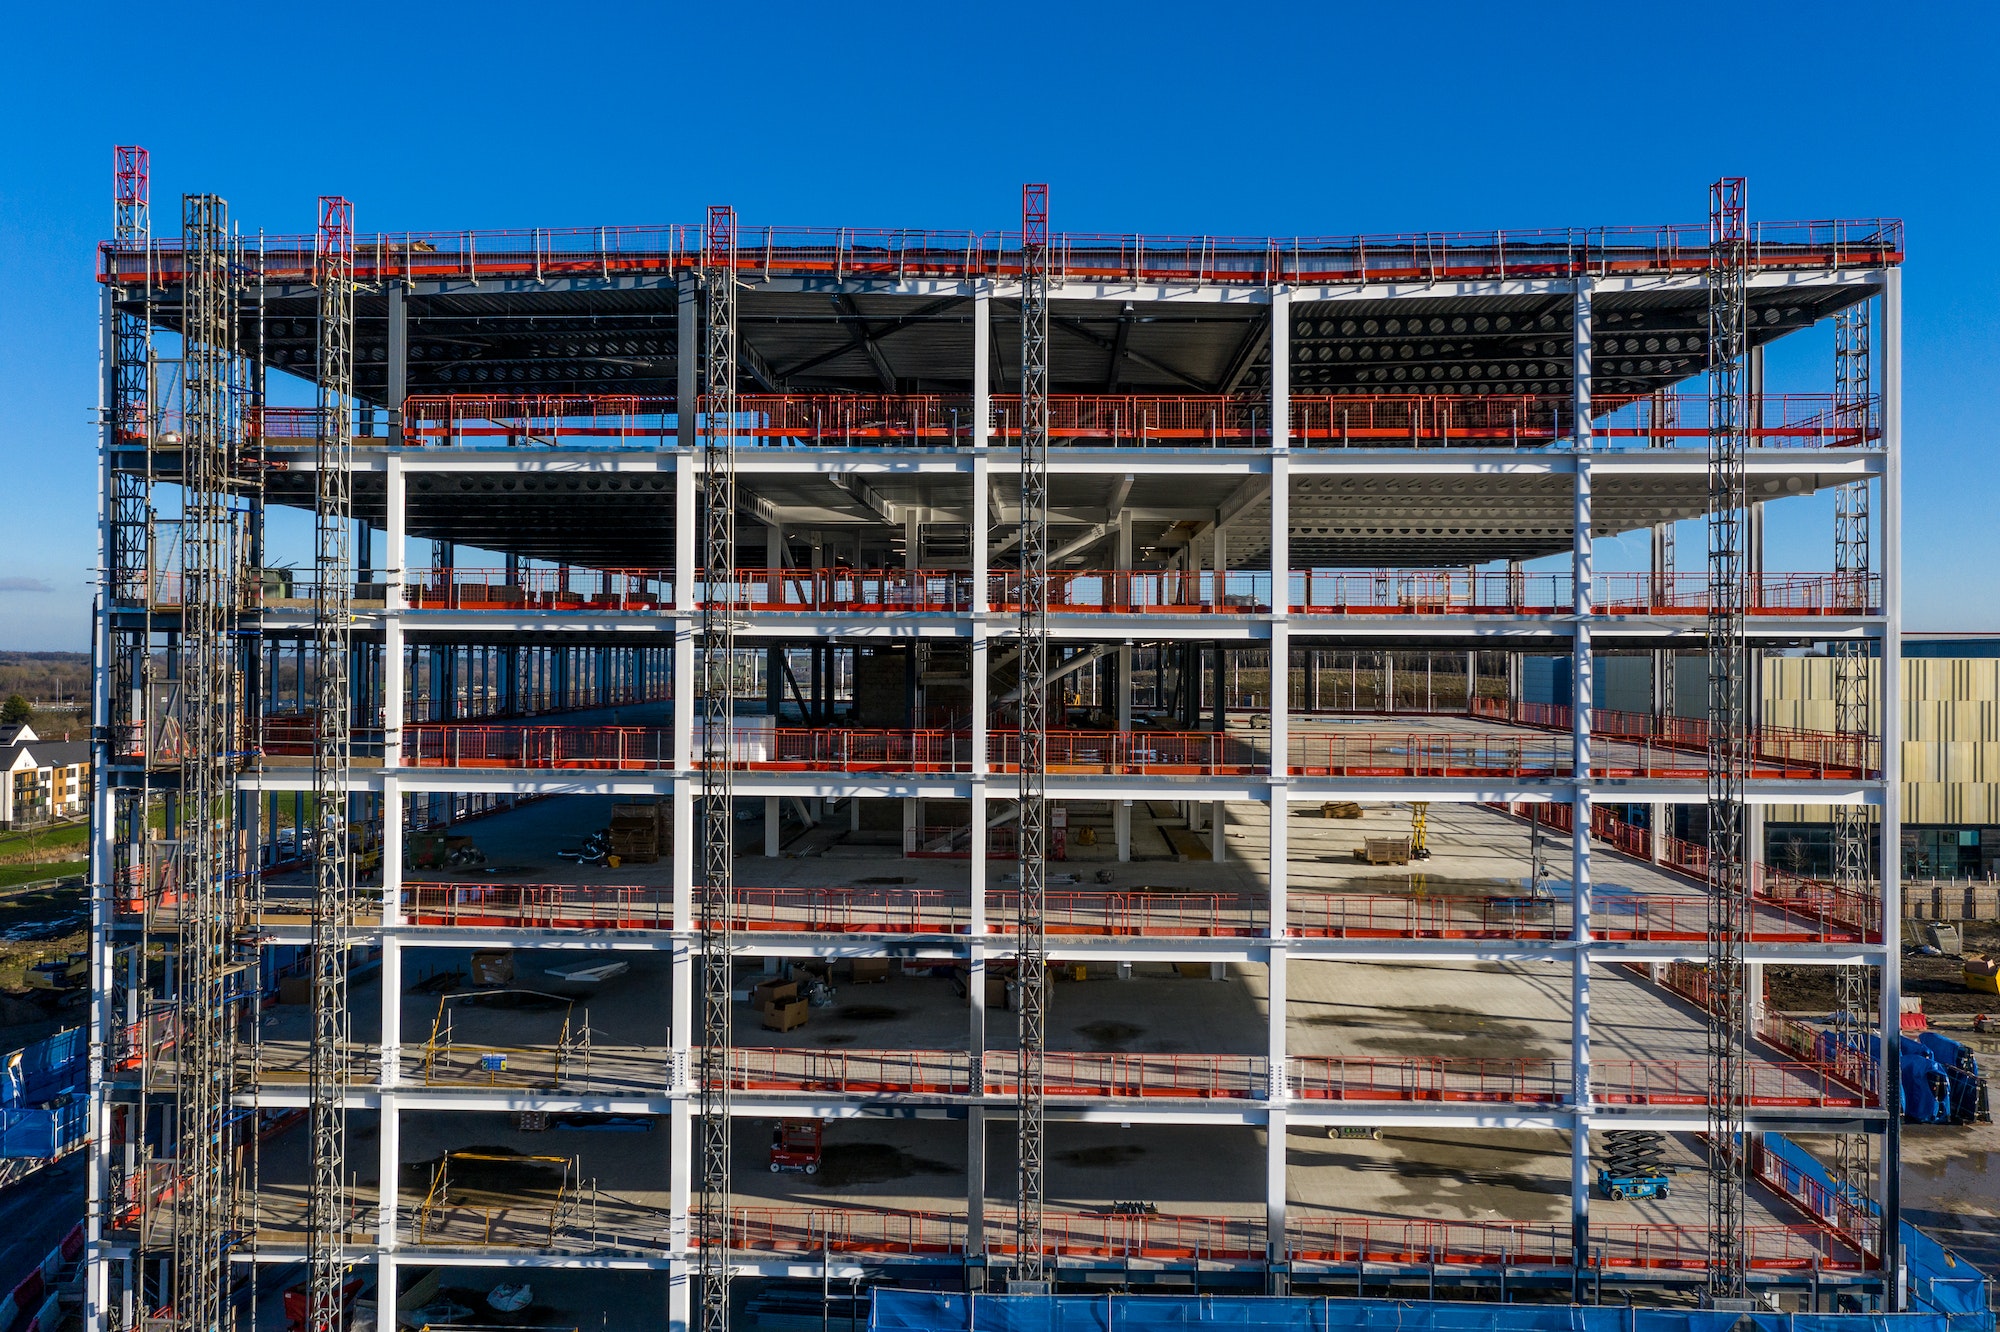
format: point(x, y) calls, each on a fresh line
point(1108, 1157)
point(848, 1163)
point(1109, 1035)
point(865, 1013)
point(837, 1038)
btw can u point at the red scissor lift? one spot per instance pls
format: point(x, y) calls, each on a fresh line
point(796, 1144)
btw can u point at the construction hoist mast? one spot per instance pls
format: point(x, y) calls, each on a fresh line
point(1031, 940)
point(210, 868)
point(1728, 733)
point(718, 661)
point(333, 874)
point(1853, 872)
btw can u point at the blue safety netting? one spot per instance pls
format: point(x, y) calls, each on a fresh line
point(43, 1110)
point(44, 1132)
point(908, 1310)
point(1939, 1278)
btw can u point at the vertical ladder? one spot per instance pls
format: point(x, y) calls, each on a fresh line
point(1031, 941)
point(718, 646)
point(1728, 734)
point(333, 872)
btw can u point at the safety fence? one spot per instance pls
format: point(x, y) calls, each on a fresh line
point(1784, 751)
point(1781, 752)
point(1158, 1236)
point(1838, 1065)
point(557, 589)
point(851, 1072)
point(1526, 1244)
point(1385, 1079)
point(1130, 592)
point(1796, 903)
point(840, 253)
point(1322, 420)
point(1070, 1074)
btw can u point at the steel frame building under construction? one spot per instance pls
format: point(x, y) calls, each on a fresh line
point(975, 537)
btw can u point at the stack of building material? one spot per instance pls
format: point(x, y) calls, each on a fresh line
point(636, 832)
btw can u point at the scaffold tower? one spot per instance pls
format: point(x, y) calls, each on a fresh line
point(718, 646)
point(1853, 709)
point(333, 866)
point(1728, 735)
point(212, 969)
point(1031, 940)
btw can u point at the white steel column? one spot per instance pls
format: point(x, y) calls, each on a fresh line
point(1121, 810)
point(682, 1014)
point(682, 679)
point(1280, 771)
point(97, 1314)
point(1582, 692)
point(394, 558)
point(387, 1204)
point(1890, 692)
point(981, 520)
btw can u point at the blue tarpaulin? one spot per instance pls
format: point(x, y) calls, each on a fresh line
point(908, 1310)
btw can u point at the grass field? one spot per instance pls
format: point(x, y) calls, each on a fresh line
point(13, 876)
point(53, 843)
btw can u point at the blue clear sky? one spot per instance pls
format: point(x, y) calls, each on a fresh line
point(1250, 119)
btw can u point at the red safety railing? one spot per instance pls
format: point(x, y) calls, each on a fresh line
point(1776, 751)
point(1112, 1234)
point(1139, 592)
point(1346, 1240)
point(1542, 1081)
point(1421, 1078)
point(1850, 1215)
point(1379, 916)
point(1781, 752)
point(840, 253)
point(838, 1230)
point(1461, 592)
point(1351, 420)
point(851, 1072)
point(1070, 1073)
point(1789, 908)
point(1141, 915)
point(1782, 1083)
point(844, 591)
point(539, 589)
point(539, 905)
point(853, 910)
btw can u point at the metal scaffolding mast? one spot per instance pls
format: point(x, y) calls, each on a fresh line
point(1729, 738)
point(1030, 925)
point(130, 498)
point(333, 644)
point(210, 868)
point(1853, 872)
point(718, 646)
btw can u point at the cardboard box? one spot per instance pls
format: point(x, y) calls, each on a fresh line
point(1982, 974)
point(869, 970)
point(492, 967)
point(773, 991)
point(1192, 970)
point(784, 1014)
point(295, 989)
